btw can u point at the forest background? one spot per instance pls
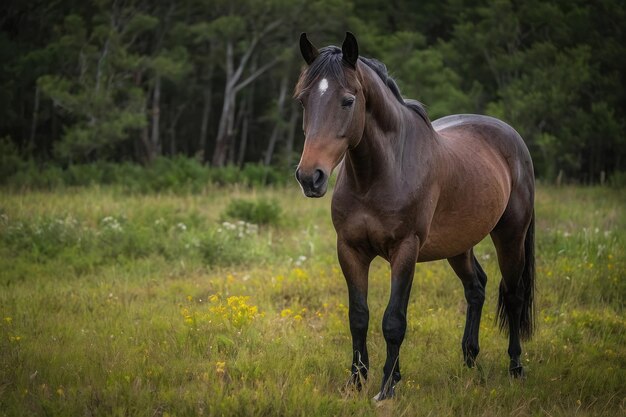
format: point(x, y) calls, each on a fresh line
point(209, 82)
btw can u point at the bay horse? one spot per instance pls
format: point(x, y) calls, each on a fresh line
point(410, 191)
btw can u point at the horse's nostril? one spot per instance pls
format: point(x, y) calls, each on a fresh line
point(318, 178)
point(298, 175)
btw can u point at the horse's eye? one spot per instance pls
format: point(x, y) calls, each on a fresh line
point(347, 101)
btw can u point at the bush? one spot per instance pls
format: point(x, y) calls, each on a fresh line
point(259, 175)
point(229, 174)
point(10, 161)
point(84, 174)
point(618, 179)
point(177, 174)
point(260, 212)
point(31, 176)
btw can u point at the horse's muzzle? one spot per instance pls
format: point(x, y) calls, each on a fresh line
point(313, 183)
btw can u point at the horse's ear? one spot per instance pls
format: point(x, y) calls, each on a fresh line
point(307, 49)
point(350, 50)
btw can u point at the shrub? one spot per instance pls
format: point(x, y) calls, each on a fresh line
point(84, 174)
point(229, 174)
point(10, 161)
point(175, 174)
point(44, 238)
point(259, 175)
point(260, 212)
point(618, 179)
point(231, 244)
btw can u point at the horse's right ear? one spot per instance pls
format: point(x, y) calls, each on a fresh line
point(350, 50)
point(307, 49)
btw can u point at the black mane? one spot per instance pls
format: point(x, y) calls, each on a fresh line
point(381, 70)
point(330, 63)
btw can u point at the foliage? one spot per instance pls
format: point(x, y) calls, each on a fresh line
point(178, 175)
point(116, 303)
point(618, 179)
point(85, 82)
point(10, 161)
point(261, 211)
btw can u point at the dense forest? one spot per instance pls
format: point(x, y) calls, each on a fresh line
point(134, 80)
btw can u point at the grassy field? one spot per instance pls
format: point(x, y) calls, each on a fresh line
point(115, 304)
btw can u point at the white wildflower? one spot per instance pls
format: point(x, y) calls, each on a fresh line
point(300, 260)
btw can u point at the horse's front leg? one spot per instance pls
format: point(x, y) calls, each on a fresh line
point(403, 261)
point(355, 266)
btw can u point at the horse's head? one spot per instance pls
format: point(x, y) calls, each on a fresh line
point(334, 110)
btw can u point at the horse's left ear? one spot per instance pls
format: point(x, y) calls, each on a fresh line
point(350, 50)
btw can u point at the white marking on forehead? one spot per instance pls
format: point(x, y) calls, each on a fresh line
point(323, 86)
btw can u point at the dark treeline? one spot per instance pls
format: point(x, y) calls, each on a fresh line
point(132, 80)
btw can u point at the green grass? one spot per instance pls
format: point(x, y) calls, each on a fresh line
point(144, 305)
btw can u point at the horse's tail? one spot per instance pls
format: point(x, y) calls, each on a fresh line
point(527, 319)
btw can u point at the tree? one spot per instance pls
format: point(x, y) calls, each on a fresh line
point(241, 35)
point(96, 93)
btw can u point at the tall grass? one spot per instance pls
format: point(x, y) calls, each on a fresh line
point(115, 303)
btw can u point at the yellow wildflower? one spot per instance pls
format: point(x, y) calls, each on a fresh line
point(300, 273)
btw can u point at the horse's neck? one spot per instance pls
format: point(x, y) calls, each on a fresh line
point(394, 140)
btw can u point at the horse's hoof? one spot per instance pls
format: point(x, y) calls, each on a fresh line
point(385, 394)
point(470, 355)
point(470, 361)
point(356, 381)
point(517, 372)
point(379, 397)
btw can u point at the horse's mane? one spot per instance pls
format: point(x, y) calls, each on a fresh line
point(330, 63)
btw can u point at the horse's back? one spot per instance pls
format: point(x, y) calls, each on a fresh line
point(497, 133)
point(473, 130)
point(464, 119)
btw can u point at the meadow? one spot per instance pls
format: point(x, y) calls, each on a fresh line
point(228, 301)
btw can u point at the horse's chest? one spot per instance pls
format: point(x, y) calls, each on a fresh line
point(377, 231)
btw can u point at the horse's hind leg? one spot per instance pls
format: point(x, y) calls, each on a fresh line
point(474, 281)
point(513, 239)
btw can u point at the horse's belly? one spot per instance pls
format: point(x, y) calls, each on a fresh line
point(460, 226)
point(446, 242)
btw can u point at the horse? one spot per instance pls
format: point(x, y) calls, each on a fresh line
point(410, 191)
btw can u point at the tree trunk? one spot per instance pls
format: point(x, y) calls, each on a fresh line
point(219, 153)
point(156, 114)
point(172, 129)
point(278, 126)
point(234, 85)
point(244, 138)
point(232, 144)
point(33, 126)
point(206, 114)
point(249, 113)
point(145, 132)
point(221, 142)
